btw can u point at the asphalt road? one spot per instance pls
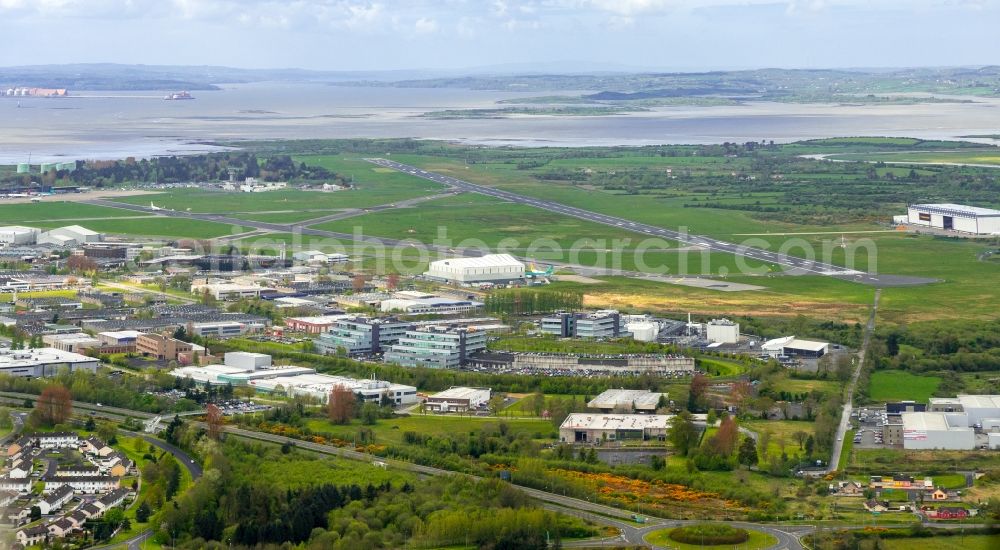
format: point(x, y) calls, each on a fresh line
point(845, 415)
point(794, 265)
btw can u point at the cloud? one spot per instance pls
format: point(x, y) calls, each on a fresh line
point(425, 25)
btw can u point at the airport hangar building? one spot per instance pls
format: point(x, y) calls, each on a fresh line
point(955, 217)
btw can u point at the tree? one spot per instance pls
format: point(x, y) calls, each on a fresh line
point(142, 513)
point(89, 424)
point(682, 433)
point(696, 394)
point(369, 414)
point(748, 453)
point(392, 281)
point(81, 264)
point(810, 445)
point(35, 514)
point(214, 419)
point(340, 405)
point(800, 436)
point(725, 439)
point(358, 282)
point(54, 405)
point(496, 404)
point(107, 431)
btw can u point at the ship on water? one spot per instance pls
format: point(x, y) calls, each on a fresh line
point(178, 95)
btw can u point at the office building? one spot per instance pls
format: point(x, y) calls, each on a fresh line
point(43, 362)
point(361, 335)
point(436, 347)
point(597, 428)
point(640, 401)
point(458, 400)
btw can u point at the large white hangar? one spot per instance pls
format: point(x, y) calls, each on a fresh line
point(492, 268)
point(955, 217)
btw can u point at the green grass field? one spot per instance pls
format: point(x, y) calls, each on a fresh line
point(390, 432)
point(888, 385)
point(49, 212)
point(955, 542)
point(156, 226)
point(990, 156)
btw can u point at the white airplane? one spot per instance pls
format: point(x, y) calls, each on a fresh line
point(153, 207)
point(36, 199)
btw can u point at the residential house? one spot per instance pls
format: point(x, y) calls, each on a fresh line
point(91, 510)
point(78, 470)
point(55, 440)
point(17, 485)
point(15, 515)
point(20, 469)
point(55, 500)
point(61, 528)
point(93, 445)
point(85, 484)
point(112, 499)
point(32, 535)
point(120, 465)
point(876, 506)
point(6, 497)
point(79, 518)
point(939, 494)
point(15, 449)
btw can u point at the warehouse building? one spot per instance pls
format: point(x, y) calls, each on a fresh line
point(596, 428)
point(316, 324)
point(955, 217)
point(319, 387)
point(436, 347)
point(361, 335)
point(17, 234)
point(76, 342)
point(458, 400)
point(792, 346)
point(43, 362)
point(71, 235)
point(492, 268)
point(640, 401)
point(937, 430)
point(419, 303)
point(722, 331)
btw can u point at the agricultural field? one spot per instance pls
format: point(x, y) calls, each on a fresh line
point(390, 431)
point(954, 542)
point(894, 385)
point(985, 156)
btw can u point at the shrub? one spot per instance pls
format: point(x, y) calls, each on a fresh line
point(709, 534)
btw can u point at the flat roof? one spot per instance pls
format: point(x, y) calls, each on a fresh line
point(929, 421)
point(948, 207)
point(613, 398)
point(489, 260)
point(810, 345)
point(37, 356)
point(979, 401)
point(585, 421)
point(459, 392)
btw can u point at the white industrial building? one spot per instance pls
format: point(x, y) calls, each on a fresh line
point(319, 387)
point(983, 411)
point(626, 401)
point(458, 399)
point(955, 217)
point(642, 327)
point(240, 369)
point(18, 234)
point(71, 235)
point(792, 346)
point(412, 302)
point(937, 430)
point(43, 362)
point(75, 342)
point(492, 268)
point(722, 331)
point(228, 291)
point(595, 428)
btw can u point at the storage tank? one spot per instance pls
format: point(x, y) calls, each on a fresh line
point(24, 168)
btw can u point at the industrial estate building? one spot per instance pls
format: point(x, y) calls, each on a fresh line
point(411, 302)
point(599, 324)
point(491, 268)
point(792, 346)
point(946, 423)
point(361, 335)
point(43, 362)
point(458, 400)
point(955, 217)
point(627, 401)
point(437, 347)
point(595, 428)
point(722, 331)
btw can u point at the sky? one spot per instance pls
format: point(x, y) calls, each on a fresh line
point(512, 34)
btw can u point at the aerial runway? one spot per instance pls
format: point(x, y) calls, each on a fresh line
point(794, 265)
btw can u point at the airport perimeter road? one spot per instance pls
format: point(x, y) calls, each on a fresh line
point(845, 415)
point(794, 265)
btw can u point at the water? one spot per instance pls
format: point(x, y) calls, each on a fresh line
point(105, 125)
